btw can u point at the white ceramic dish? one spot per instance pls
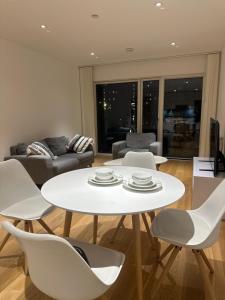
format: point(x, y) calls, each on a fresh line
point(142, 178)
point(157, 186)
point(104, 174)
point(115, 180)
point(133, 184)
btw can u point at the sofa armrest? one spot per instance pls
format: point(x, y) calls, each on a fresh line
point(116, 147)
point(39, 167)
point(156, 148)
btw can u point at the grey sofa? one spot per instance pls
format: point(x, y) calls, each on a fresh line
point(137, 142)
point(41, 168)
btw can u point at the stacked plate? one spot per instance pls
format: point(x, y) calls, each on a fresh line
point(142, 181)
point(105, 176)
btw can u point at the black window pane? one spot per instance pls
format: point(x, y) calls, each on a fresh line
point(116, 113)
point(150, 106)
point(182, 115)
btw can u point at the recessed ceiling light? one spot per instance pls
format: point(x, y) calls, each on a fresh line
point(43, 26)
point(95, 16)
point(130, 49)
point(158, 4)
point(173, 44)
point(92, 53)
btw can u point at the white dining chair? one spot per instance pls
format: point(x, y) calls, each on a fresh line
point(140, 160)
point(59, 271)
point(20, 198)
point(195, 229)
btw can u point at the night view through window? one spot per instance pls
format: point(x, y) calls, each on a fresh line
point(116, 113)
point(150, 106)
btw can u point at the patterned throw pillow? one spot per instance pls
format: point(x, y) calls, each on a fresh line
point(82, 144)
point(71, 143)
point(37, 148)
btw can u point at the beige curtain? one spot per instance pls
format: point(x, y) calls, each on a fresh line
point(87, 102)
point(210, 97)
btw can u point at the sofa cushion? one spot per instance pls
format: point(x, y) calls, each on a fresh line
point(65, 163)
point(140, 140)
point(72, 141)
point(122, 152)
point(37, 148)
point(57, 145)
point(82, 144)
point(21, 148)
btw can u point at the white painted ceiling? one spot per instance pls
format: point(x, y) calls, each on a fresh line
point(196, 25)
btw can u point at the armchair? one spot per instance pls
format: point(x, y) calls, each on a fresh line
point(137, 142)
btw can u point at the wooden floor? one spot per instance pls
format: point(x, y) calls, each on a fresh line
point(183, 281)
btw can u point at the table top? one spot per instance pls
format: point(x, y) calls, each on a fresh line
point(71, 191)
point(118, 162)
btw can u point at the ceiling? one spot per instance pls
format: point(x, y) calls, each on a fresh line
point(195, 25)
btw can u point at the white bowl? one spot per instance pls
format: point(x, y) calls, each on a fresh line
point(104, 174)
point(142, 178)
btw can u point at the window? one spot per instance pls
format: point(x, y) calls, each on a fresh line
point(150, 106)
point(182, 115)
point(116, 113)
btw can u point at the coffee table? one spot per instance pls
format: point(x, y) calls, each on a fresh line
point(72, 192)
point(118, 162)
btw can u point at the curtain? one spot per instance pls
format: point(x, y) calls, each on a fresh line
point(209, 102)
point(87, 102)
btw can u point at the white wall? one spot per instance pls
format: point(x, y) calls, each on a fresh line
point(185, 65)
point(39, 96)
point(221, 100)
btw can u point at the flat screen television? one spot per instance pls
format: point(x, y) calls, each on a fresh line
point(214, 145)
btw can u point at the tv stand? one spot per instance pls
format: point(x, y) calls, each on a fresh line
point(204, 181)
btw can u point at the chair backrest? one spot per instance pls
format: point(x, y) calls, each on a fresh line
point(213, 209)
point(55, 267)
point(140, 140)
point(15, 183)
point(139, 159)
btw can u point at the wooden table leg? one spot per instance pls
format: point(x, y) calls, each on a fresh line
point(67, 224)
point(137, 232)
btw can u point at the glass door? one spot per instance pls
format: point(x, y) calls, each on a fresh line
point(181, 117)
point(116, 112)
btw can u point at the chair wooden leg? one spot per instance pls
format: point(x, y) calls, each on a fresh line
point(203, 255)
point(118, 228)
point(166, 252)
point(31, 226)
point(151, 215)
point(67, 224)
point(151, 239)
point(15, 223)
point(166, 269)
point(26, 226)
point(209, 292)
point(45, 226)
point(95, 229)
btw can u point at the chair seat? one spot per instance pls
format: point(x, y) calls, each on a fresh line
point(181, 228)
point(29, 209)
point(105, 263)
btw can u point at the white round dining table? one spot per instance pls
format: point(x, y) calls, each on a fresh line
point(72, 191)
